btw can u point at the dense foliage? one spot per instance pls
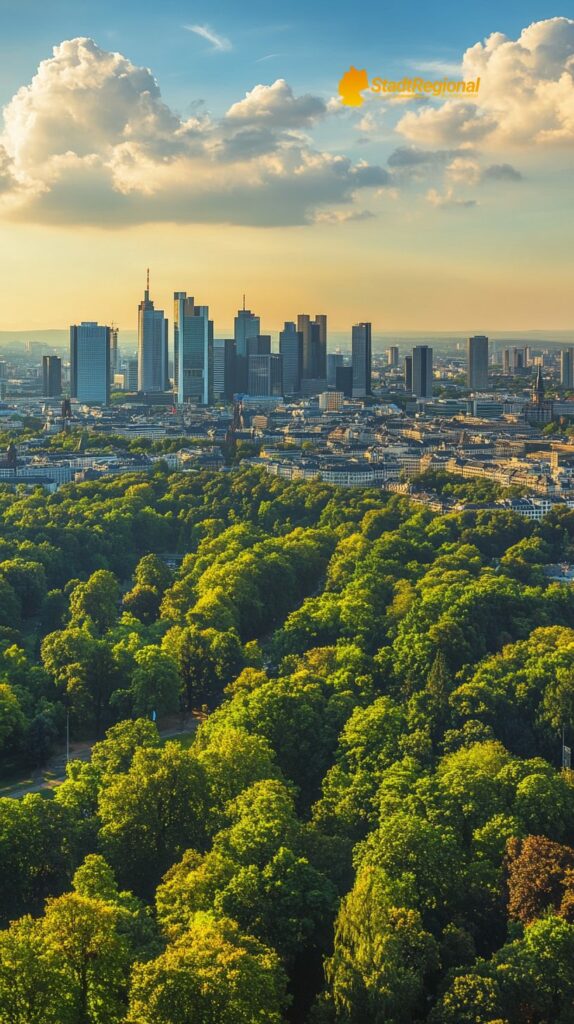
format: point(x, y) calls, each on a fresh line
point(371, 825)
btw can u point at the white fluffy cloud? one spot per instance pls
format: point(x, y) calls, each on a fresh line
point(90, 140)
point(276, 104)
point(526, 93)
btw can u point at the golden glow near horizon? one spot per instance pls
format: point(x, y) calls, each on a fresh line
point(445, 215)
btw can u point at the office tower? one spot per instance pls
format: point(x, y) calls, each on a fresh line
point(291, 351)
point(193, 351)
point(361, 360)
point(393, 357)
point(567, 367)
point(344, 380)
point(477, 363)
point(131, 375)
point(247, 325)
point(321, 353)
point(422, 371)
point(223, 369)
point(3, 369)
point(152, 346)
point(90, 362)
point(259, 346)
point(519, 361)
point(51, 376)
point(265, 375)
point(334, 359)
point(409, 374)
point(114, 353)
point(314, 347)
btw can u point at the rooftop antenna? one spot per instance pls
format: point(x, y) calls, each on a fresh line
point(147, 285)
point(243, 301)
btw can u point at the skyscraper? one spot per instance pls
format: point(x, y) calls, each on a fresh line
point(131, 375)
point(247, 325)
point(567, 367)
point(409, 374)
point(361, 360)
point(223, 369)
point(265, 376)
point(51, 376)
point(114, 353)
point(393, 356)
point(334, 359)
point(152, 346)
point(422, 371)
point(90, 362)
point(193, 351)
point(314, 334)
point(259, 346)
point(477, 363)
point(344, 380)
point(291, 350)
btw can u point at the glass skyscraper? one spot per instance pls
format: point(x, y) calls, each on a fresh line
point(477, 363)
point(246, 327)
point(90, 363)
point(422, 371)
point(193, 351)
point(361, 360)
point(291, 350)
point(152, 346)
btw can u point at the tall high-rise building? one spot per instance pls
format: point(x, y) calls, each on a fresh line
point(223, 369)
point(409, 374)
point(265, 375)
point(361, 360)
point(247, 325)
point(477, 363)
point(90, 362)
point(131, 375)
point(314, 346)
point(259, 346)
point(567, 367)
point(291, 350)
point(193, 351)
point(422, 371)
point(334, 359)
point(393, 357)
point(51, 376)
point(152, 346)
point(114, 352)
point(344, 380)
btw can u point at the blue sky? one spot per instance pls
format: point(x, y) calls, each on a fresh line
point(245, 172)
point(313, 42)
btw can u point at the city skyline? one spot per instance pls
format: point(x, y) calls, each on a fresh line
point(144, 140)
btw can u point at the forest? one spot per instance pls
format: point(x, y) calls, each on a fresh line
point(371, 823)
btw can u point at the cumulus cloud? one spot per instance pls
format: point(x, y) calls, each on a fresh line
point(500, 172)
point(463, 171)
point(454, 123)
point(448, 200)
point(526, 93)
point(90, 140)
point(277, 105)
point(342, 216)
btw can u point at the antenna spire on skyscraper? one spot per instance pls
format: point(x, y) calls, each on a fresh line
point(147, 285)
point(243, 300)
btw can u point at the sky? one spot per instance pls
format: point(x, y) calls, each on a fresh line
point(208, 141)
